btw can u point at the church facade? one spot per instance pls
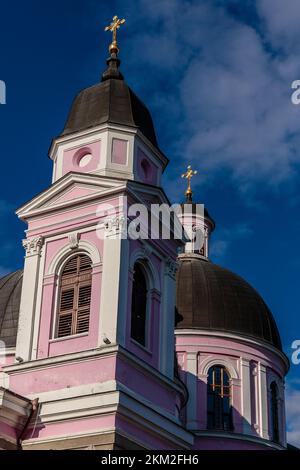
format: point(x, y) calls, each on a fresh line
point(118, 342)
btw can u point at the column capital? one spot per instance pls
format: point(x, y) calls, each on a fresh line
point(171, 267)
point(33, 245)
point(115, 226)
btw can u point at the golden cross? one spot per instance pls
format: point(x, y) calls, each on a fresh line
point(189, 175)
point(113, 27)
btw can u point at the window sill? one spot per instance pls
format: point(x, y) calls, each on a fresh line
point(143, 348)
point(67, 338)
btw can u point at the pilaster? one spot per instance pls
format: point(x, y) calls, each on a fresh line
point(33, 248)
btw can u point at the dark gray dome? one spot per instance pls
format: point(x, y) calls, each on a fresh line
point(213, 298)
point(10, 298)
point(111, 101)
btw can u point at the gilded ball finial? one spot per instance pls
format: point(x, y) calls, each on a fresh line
point(113, 27)
point(189, 175)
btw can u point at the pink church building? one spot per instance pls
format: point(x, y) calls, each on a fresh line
point(114, 342)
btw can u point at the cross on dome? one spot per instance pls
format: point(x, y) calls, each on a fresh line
point(189, 175)
point(113, 27)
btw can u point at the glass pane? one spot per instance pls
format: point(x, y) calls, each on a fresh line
point(225, 379)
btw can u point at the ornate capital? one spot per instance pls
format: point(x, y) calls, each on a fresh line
point(74, 240)
point(115, 226)
point(146, 250)
point(171, 267)
point(33, 246)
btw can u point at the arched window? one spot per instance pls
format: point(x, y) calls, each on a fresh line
point(274, 412)
point(75, 297)
point(139, 305)
point(219, 410)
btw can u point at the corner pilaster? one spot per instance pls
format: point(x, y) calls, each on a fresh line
point(33, 249)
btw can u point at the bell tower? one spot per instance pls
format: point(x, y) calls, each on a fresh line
point(95, 341)
point(196, 221)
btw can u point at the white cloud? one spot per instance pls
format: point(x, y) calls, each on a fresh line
point(293, 415)
point(233, 84)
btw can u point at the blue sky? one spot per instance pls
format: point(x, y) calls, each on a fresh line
point(217, 77)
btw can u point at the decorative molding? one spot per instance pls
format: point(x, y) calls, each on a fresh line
point(115, 225)
point(210, 361)
point(171, 267)
point(62, 255)
point(152, 272)
point(239, 437)
point(33, 246)
point(74, 238)
point(237, 337)
point(146, 252)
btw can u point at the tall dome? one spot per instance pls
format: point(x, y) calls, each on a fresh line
point(213, 298)
point(10, 297)
point(111, 101)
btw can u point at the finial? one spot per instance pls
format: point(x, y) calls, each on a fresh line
point(113, 27)
point(188, 175)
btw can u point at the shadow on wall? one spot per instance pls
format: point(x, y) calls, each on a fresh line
point(217, 423)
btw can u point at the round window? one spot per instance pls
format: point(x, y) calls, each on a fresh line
point(84, 160)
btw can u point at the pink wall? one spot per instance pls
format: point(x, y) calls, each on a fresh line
point(69, 428)
point(147, 171)
point(119, 151)
point(47, 344)
point(76, 217)
point(7, 431)
point(151, 353)
point(146, 385)
point(59, 376)
point(141, 435)
point(72, 158)
point(209, 348)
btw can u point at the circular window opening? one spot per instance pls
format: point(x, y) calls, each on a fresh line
point(84, 160)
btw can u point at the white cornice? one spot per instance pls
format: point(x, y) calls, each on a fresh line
point(106, 127)
point(37, 205)
point(93, 354)
point(74, 137)
point(239, 437)
point(239, 338)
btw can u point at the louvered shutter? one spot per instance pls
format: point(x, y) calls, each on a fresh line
point(75, 297)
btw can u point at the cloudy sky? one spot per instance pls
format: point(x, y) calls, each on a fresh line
point(216, 75)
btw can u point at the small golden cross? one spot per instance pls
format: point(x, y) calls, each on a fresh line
point(113, 27)
point(189, 175)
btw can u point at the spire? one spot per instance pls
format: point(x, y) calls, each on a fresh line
point(188, 175)
point(113, 62)
point(195, 220)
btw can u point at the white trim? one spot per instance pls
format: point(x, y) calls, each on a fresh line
point(92, 354)
point(239, 437)
point(105, 127)
point(64, 253)
point(76, 435)
point(209, 362)
point(38, 308)
point(263, 401)
point(36, 206)
point(246, 376)
point(239, 338)
point(28, 304)
point(150, 420)
point(192, 385)
point(153, 284)
point(273, 377)
point(142, 256)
